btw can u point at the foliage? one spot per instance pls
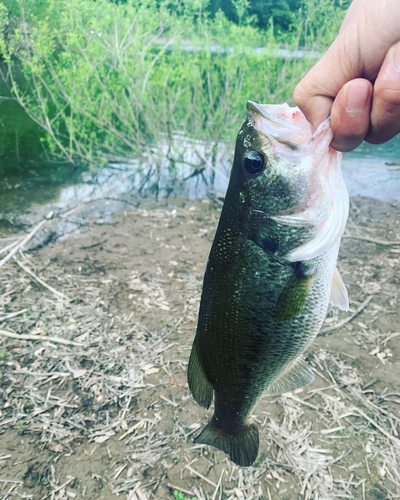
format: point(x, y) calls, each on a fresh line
point(281, 13)
point(318, 22)
point(260, 11)
point(110, 80)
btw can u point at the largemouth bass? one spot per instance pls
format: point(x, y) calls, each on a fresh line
point(271, 272)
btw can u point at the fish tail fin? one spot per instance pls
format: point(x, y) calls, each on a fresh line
point(199, 385)
point(241, 444)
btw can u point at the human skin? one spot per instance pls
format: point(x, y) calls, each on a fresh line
point(358, 78)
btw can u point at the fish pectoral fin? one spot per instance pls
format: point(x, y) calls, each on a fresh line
point(339, 295)
point(199, 385)
point(299, 374)
point(293, 296)
point(241, 444)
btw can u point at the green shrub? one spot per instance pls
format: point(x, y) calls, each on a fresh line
point(109, 81)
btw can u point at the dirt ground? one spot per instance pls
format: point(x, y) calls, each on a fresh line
point(108, 414)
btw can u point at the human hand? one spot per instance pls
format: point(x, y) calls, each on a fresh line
point(358, 79)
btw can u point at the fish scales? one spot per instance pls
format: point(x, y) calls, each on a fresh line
point(269, 276)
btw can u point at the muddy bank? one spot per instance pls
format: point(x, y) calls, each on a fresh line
point(98, 406)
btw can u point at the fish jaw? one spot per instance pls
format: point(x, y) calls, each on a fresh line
point(281, 122)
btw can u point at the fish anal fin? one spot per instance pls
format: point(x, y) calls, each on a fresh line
point(241, 444)
point(339, 295)
point(199, 385)
point(299, 374)
point(293, 296)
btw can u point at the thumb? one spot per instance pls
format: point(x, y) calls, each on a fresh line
point(315, 94)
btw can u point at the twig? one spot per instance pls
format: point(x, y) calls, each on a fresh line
point(129, 431)
point(9, 491)
point(131, 494)
point(73, 210)
point(218, 485)
point(371, 240)
point(28, 237)
point(390, 337)
point(377, 426)
point(298, 400)
point(28, 336)
point(169, 401)
point(331, 329)
point(187, 492)
point(10, 246)
point(201, 476)
point(304, 486)
point(59, 488)
point(13, 315)
point(39, 280)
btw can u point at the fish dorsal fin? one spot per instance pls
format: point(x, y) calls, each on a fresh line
point(297, 375)
point(339, 295)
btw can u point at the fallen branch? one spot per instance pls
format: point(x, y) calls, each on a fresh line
point(59, 488)
point(10, 246)
point(10, 491)
point(179, 488)
point(331, 329)
point(39, 280)
point(20, 245)
point(218, 485)
point(390, 337)
point(29, 336)
point(371, 240)
point(377, 426)
point(12, 315)
point(204, 478)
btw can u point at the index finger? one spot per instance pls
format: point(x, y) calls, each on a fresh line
point(315, 94)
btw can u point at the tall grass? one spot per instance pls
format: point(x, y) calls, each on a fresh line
point(109, 81)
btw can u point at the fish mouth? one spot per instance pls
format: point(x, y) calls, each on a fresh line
point(252, 107)
point(281, 122)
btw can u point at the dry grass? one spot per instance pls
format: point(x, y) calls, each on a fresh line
point(108, 413)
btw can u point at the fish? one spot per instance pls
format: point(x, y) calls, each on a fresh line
point(271, 273)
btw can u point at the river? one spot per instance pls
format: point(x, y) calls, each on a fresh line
point(28, 192)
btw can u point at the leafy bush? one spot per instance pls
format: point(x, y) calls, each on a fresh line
point(109, 80)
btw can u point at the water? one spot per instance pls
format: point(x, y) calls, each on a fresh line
point(374, 171)
point(30, 187)
point(280, 53)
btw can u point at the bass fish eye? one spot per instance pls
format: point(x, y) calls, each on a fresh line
point(254, 162)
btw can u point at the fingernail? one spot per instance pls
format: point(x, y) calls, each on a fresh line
point(357, 98)
point(396, 57)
